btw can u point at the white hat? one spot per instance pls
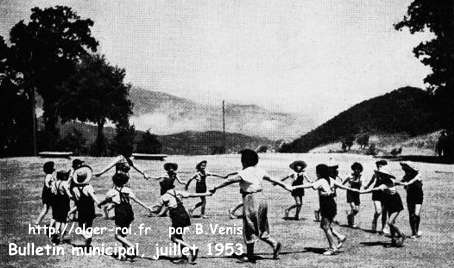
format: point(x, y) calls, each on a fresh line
point(82, 175)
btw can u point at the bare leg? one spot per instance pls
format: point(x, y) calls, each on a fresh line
point(417, 218)
point(299, 203)
point(378, 212)
point(181, 242)
point(43, 213)
point(326, 227)
point(384, 216)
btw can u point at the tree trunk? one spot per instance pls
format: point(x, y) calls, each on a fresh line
point(100, 141)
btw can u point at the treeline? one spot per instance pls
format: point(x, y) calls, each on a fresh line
point(407, 109)
point(53, 55)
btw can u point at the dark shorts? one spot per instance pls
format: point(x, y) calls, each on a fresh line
point(200, 187)
point(353, 197)
point(328, 207)
point(298, 192)
point(415, 196)
point(60, 209)
point(392, 203)
point(123, 215)
point(46, 196)
point(377, 196)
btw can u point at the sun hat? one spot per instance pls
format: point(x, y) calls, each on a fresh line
point(200, 163)
point(77, 163)
point(168, 166)
point(296, 163)
point(82, 175)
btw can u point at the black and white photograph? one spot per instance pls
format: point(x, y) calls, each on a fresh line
point(226, 133)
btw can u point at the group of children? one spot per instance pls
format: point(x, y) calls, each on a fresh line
point(59, 190)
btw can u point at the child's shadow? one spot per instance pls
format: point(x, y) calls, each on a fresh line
point(293, 219)
point(360, 229)
point(315, 250)
point(376, 243)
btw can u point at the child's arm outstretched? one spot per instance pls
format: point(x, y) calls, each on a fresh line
point(138, 201)
point(91, 193)
point(216, 175)
point(277, 182)
point(286, 177)
point(189, 195)
point(415, 179)
point(189, 182)
point(308, 179)
point(378, 188)
point(230, 174)
point(371, 181)
point(342, 186)
point(225, 183)
point(108, 167)
point(179, 180)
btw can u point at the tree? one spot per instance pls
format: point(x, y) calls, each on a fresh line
point(123, 142)
point(96, 93)
point(46, 51)
point(149, 144)
point(438, 53)
point(14, 108)
point(363, 140)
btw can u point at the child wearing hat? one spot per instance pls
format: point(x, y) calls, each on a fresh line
point(76, 163)
point(47, 194)
point(391, 202)
point(326, 185)
point(297, 178)
point(168, 182)
point(180, 218)
point(201, 186)
point(85, 199)
point(413, 184)
point(255, 206)
point(354, 182)
point(61, 205)
point(377, 198)
point(120, 196)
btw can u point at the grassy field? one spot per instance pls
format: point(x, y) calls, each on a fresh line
point(303, 240)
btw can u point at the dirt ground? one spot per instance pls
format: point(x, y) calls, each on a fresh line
point(303, 240)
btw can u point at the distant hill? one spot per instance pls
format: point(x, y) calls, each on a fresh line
point(188, 142)
point(405, 110)
point(166, 114)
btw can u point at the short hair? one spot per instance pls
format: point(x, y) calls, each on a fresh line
point(62, 175)
point(323, 171)
point(381, 163)
point(122, 167)
point(120, 179)
point(357, 166)
point(48, 167)
point(249, 158)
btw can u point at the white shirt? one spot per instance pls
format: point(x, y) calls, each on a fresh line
point(251, 179)
point(115, 195)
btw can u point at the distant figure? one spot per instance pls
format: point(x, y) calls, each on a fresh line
point(353, 199)
point(201, 186)
point(396, 151)
point(442, 144)
point(47, 195)
point(297, 178)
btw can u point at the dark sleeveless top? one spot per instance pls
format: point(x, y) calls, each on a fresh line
point(124, 214)
point(179, 215)
point(85, 206)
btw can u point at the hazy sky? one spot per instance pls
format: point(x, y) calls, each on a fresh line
point(315, 57)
